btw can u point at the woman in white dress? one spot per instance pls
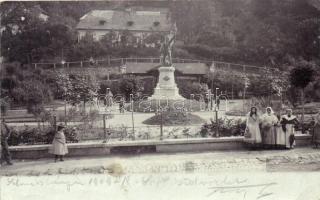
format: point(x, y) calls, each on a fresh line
point(268, 122)
point(252, 133)
point(280, 134)
point(288, 122)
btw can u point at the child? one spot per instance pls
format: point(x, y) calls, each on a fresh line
point(59, 147)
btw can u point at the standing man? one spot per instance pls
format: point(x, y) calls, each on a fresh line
point(5, 134)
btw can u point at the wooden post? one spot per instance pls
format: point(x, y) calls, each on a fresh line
point(232, 82)
point(65, 112)
point(81, 64)
point(54, 65)
point(55, 122)
point(161, 126)
point(35, 66)
point(104, 126)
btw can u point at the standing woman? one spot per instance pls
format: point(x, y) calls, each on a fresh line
point(252, 127)
point(59, 147)
point(268, 121)
point(280, 134)
point(316, 132)
point(288, 121)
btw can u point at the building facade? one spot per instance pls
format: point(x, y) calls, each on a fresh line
point(130, 26)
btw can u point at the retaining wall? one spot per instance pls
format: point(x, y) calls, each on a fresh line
point(146, 146)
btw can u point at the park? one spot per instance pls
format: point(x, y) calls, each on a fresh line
point(143, 82)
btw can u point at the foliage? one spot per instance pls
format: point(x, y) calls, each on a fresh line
point(226, 82)
point(174, 118)
point(4, 105)
point(259, 32)
point(33, 136)
point(302, 75)
point(76, 88)
point(226, 128)
point(130, 85)
point(186, 88)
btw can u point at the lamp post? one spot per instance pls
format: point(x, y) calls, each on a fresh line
point(161, 124)
point(65, 98)
point(216, 112)
point(131, 101)
point(211, 93)
point(108, 102)
point(192, 98)
point(207, 100)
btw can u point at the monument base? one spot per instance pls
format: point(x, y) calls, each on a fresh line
point(166, 87)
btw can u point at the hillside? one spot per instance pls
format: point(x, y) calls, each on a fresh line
point(268, 32)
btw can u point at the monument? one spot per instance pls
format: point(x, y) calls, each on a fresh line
point(166, 87)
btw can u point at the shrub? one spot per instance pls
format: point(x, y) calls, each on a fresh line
point(186, 88)
point(226, 128)
point(174, 118)
point(4, 105)
point(32, 136)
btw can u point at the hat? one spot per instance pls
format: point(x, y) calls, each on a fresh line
point(60, 126)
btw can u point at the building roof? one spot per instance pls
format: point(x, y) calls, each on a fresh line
point(129, 19)
point(184, 68)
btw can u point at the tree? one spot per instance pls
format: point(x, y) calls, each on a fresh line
point(192, 18)
point(300, 77)
point(77, 88)
point(130, 85)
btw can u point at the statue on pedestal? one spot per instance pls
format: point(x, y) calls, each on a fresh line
point(166, 47)
point(166, 86)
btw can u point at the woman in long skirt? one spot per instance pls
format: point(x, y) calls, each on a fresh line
point(288, 122)
point(316, 131)
point(252, 133)
point(280, 134)
point(59, 147)
point(268, 122)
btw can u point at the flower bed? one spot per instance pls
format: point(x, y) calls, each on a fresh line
point(174, 118)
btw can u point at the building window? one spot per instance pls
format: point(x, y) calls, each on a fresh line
point(130, 23)
point(156, 23)
point(102, 22)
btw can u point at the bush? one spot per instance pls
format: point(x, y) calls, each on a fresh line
point(174, 118)
point(202, 51)
point(226, 128)
point(32, 136)
point(4, 105)
point(186, 88)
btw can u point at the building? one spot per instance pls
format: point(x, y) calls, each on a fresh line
point(134, 25)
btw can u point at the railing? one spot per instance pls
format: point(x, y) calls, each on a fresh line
point(117, 62)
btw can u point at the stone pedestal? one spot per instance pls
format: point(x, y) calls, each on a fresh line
point(166, 87)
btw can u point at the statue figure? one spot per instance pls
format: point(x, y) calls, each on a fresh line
point(166, 48)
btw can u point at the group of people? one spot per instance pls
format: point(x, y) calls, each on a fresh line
point(270, 130)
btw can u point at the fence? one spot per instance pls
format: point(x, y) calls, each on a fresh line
point(117, 62)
